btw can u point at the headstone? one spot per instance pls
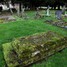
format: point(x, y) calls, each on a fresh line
point(24, 15)
point(10, 7)
point(17, 8)
point(37, 15)
point(37, 12)
point(58, 14)
point(48, 12)
point(63, 10)
point(22, 11)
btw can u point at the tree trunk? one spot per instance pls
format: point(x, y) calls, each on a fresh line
point(58, 7)
point(54, 7)
point(20, 7)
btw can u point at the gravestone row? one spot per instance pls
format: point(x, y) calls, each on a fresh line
point(22, 12)
point(58, 13)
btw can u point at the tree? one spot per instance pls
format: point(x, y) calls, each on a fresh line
point(36, 3)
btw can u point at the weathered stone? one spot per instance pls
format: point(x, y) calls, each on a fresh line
point(65, 27)
point(58, 14)
point(11, 18)
point(35, 53)
point(17, 8)
point(7, 18)
point(63, 10)
point(26, 50)
point(48, 12)
point(58, 23)
point(38, 15)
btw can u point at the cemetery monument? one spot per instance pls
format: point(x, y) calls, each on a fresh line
point(48, 12)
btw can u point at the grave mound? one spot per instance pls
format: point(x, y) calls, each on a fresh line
point(58, 23)
point(27, 50)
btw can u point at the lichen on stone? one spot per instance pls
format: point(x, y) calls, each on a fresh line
point(26, 50)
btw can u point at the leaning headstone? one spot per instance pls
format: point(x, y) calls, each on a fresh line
point(48, 12)
point(58, 14)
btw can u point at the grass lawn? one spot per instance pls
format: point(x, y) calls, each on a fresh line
point(20, 28)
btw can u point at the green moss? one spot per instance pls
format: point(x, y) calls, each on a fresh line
point(9, 56)
point(27, 50)
point(1, 20)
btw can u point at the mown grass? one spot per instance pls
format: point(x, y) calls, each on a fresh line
point(21, 27)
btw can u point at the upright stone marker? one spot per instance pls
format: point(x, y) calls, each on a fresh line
point(22, 11)
point(58, 14)
point(17, 8)
point(63, 10)
point(37, 12)
point(37, 15)
point(48, 12)
point(10, 7)
point(23, 14)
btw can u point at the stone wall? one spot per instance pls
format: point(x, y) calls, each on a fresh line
point(26, 50)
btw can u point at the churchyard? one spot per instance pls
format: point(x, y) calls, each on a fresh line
point(35, 38)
